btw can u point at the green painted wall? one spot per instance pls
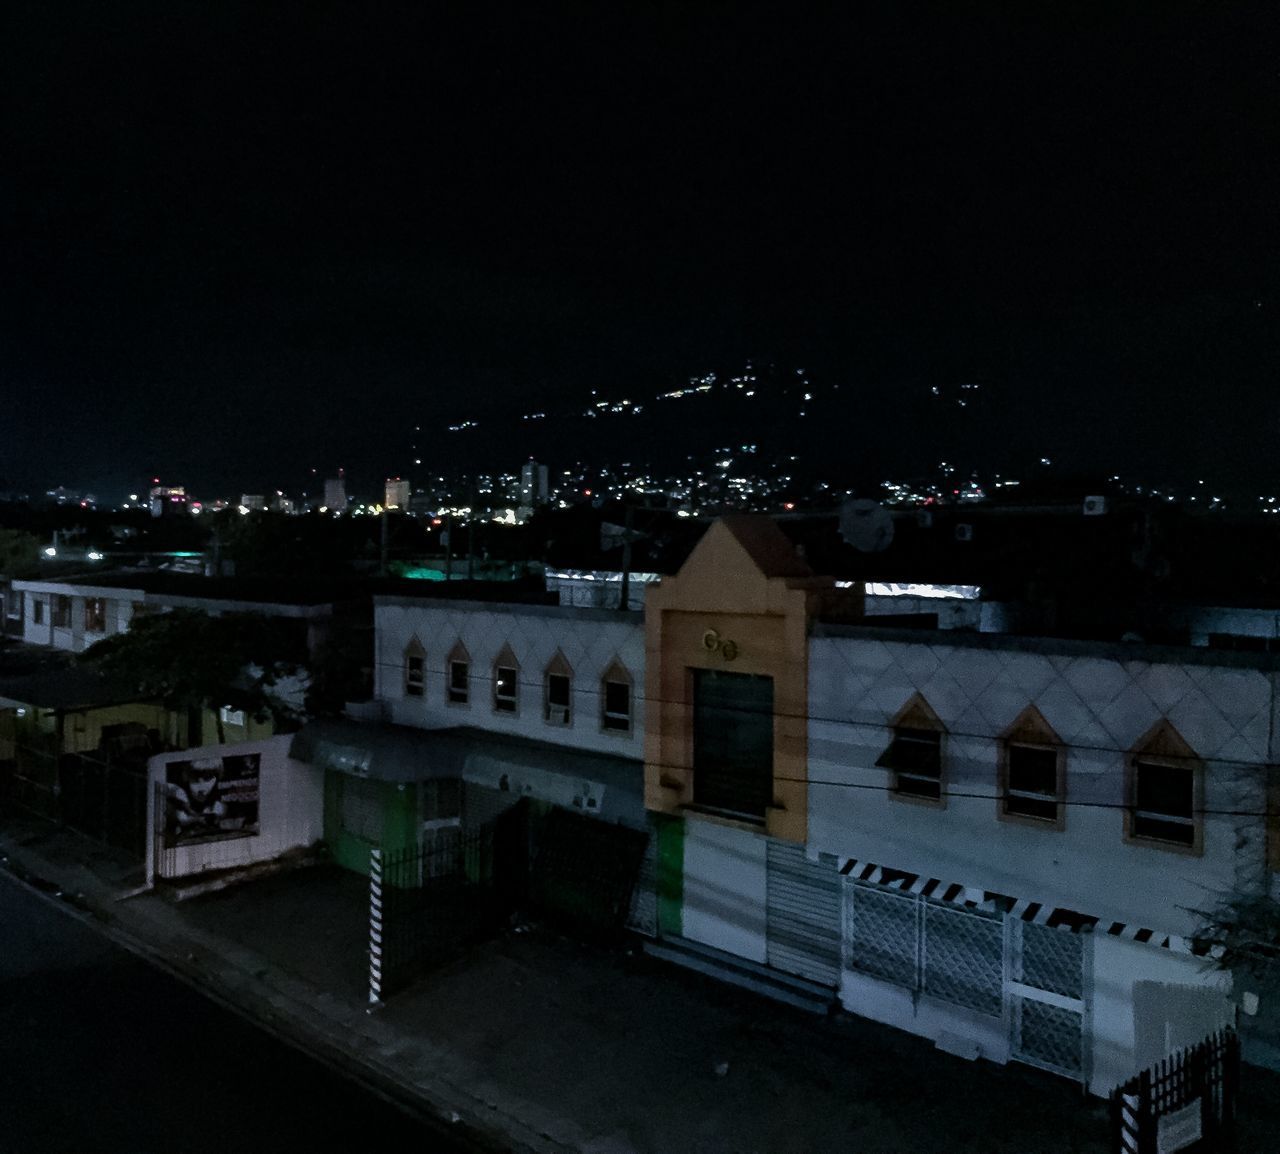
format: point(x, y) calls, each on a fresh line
point(670, 882)
point(399, 822)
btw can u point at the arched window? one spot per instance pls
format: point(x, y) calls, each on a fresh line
point(914, 753)
point(458, 676)
point(615, 699)
point(415, 668)
point(557, 691)
point(1032, 771)
point(506, 682)
point(1165, 786)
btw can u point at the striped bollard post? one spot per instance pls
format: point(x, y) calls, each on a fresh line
point(1129, 1123)
point(375, 927)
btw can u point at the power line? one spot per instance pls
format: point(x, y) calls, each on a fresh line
point(944, 793)
point(591, 691)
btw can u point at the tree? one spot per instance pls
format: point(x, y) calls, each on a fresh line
point(189, 660)
point(19, 553)
point(1243, 935)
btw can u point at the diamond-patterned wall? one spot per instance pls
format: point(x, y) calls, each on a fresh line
point(590, 640)
point(1101, 705)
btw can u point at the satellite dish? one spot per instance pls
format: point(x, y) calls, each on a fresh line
point(866, 525)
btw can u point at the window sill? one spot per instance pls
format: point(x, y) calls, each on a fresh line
point(1196, 849)
point(723, 817)
point(1056, 824)
point(917, 799)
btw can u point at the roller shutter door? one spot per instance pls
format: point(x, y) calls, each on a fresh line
point(803, 914)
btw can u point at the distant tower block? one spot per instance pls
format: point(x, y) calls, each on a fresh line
point(397, 494)
point(534, 489)
point(335, 494)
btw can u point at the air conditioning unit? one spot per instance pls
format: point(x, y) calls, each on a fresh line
point(558, 715)
point(1095, 506)
point(924, 518)
point(964, 532)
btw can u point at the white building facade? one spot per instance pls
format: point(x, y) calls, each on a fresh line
point(569, 676)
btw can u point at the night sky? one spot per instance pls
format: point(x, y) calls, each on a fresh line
point(244, 239)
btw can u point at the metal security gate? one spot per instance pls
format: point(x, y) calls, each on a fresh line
point(963, 957)
point(1046, 998)
point(802, 910)
point(882, 932)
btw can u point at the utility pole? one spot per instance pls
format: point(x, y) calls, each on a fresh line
point(386, 543)
point(624, 592)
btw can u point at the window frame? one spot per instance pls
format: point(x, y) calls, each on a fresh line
point(1164, 748)
point(1031, 731)
point(506, 659)
point(617, 675)
point(95, 611)
point(916, 717)
point(458, 657)
point(60, 611)
point(554, 713)
point(37, 610)
point(414, 680)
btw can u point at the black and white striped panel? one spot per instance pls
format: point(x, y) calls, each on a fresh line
point(375, 927)
point(1024, 909)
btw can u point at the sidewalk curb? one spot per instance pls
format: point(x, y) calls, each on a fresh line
point(450, 1116)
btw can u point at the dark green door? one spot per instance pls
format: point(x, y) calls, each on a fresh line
point(732, 742)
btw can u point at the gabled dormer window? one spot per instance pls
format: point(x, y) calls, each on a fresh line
point(557, 691)
point(615, 699)
point(506, 682)
point(914, 753)
point(1165, 784)
point(1032, 771)
point(458, 676)
point(415, 669)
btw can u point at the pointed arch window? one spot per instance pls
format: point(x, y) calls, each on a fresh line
point(557, 691)
point(914, 754)
point(458, 676)
point(506, 682)
point(1032, 771)
point(415, 668)
point(1165, 785)
point(615, 699)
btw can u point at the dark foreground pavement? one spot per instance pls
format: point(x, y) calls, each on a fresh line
point(544, 1044)
point(100, 1052)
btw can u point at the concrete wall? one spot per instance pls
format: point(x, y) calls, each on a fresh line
point(1145, 1004)
point(725, 888)
point(1100, 706)
point(290, 809)
point(590, 640)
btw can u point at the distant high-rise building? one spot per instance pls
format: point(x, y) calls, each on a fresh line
point(168, 500)
point(534, 489)
point(335, 494)
point(397, 494)
point(254, 502)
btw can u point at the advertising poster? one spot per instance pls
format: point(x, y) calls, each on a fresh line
point(210, 799)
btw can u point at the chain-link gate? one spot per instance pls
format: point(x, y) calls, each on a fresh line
point(882, 934)
point(963, 953)
point(1046, 989)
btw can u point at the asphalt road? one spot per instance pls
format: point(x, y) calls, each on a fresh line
point(102, 1053)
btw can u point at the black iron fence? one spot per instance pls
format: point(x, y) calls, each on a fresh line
point(1187, 1102)
point(584, 873)
point(462, 885)
point(89, 792)
point(427, 900)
